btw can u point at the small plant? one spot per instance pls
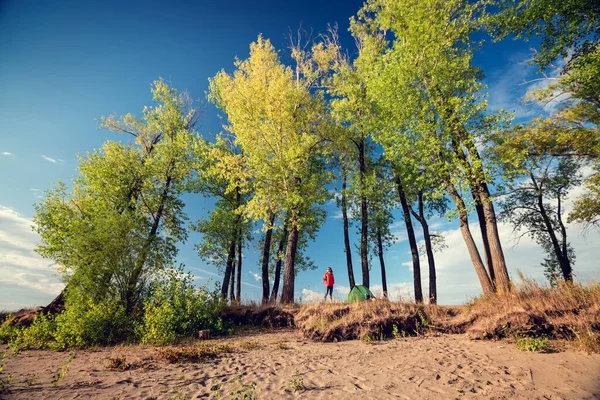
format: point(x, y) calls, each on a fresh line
point(246, 391)
point(297, 382)
point(178, 394)
point(534, 344)
point(367, 339)
point(31, 380)
point(117, 364)
point(215, 392)
point(249, 345)
point(396, 333)
point(423, 323)
point(283, 346)
point(61, 373)
point(4, 381)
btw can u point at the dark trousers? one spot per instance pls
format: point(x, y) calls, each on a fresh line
point(329, 291)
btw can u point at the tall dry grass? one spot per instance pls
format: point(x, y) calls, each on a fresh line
point(569, 311)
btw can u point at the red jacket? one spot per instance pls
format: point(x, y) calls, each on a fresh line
point(328, 279)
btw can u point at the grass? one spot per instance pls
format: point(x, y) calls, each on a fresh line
point(536, 345)
point(530, 310)
point(570, 311)
point(193, 353)
point(297, 382)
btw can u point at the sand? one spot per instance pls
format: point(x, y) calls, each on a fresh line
point(441, 367)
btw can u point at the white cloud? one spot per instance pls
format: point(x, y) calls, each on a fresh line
point(52, 160)
point(256, 276)
point(337, 214)
point(7, 154)
point(24, 275)
point(310, 296)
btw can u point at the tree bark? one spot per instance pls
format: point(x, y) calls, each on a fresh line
point(289, 269)
point(364, 217)
point(232, 283)
point(135, 276)
point(502, 280)
point(382, 263)
point(238, 287)
point(265, 259)
point(277, 273)
point(348, 250)
point(228, 268)
point(428, 248)
point(567, 269)
point(463, 219)
point(563, 262)
point(412, 241)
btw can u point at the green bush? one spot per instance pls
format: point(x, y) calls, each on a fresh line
point(39, 335)
point(8, 331)
point(88, 324)
point(175, 308)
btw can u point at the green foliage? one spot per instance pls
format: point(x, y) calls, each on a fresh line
point(4, 379)
point(564, 27)
point(8, 331)
point(297, 382)
point(106, 232)
point(175, 308)
point(534, 344)
point(245, 391)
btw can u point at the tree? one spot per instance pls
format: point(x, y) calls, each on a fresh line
point(277, 122)
point(225, 226)
point(427, 94)
point(534, 206)
point(107, 232)
point(570, 48)
point(381, 205)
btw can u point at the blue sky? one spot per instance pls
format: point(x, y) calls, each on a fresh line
point(64, 64)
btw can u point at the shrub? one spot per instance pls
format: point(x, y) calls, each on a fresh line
point(40, 334)
point(535, 344)
point(175, 308)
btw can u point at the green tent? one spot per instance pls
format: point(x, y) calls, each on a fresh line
point(359, 293)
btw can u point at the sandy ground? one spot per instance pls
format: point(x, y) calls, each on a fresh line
point(443, 367)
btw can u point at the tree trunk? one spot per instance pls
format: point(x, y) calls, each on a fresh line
point(277, 273)
point(563, 262)
point(566, 267)
point(463, 219)
point(135, 276)
point(238, 287)
point(484, 237)
point(364, 217)
point(232, 283)
point(502, 280)
point(412, 242)
point(289, 269)
point(382, 263)
point(265, 259)
point(228, 268)
point(348, 250)
point(428, 248)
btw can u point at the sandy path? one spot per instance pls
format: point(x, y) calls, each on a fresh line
point(444, 367)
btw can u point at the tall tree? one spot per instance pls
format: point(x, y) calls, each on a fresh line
point(278, 122)
point(428, 96)
point(570, 49)
point(106, 233)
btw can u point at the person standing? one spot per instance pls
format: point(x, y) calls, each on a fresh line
point(329, 281)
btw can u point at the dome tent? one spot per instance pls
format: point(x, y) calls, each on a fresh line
point(359, 293)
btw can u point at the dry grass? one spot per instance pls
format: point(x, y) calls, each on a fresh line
point(265, 316)
point(570, 311)
point(373, 319)
point(193, 353)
